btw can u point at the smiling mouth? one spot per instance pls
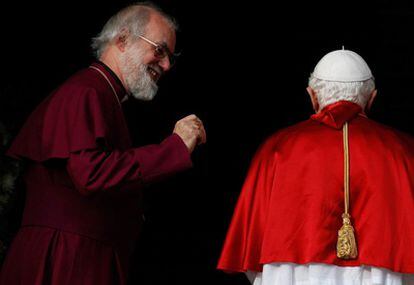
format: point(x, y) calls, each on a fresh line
point(155, 75)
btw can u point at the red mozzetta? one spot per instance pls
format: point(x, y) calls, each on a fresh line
point(290, 207)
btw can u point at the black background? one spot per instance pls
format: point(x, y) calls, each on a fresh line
point(243, 71)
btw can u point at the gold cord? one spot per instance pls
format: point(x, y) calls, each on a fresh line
point(346, 246)
point(346, 167)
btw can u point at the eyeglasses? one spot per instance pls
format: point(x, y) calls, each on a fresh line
point(161, 51)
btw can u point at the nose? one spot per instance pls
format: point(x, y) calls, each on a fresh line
point(165, 63)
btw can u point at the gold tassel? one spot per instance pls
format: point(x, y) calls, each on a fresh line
point(346, 247)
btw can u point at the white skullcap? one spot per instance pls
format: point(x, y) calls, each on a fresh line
point(342, 66)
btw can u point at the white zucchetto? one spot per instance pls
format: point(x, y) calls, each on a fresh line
point(342, 66)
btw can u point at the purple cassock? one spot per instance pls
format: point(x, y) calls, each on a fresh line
point(84, 185)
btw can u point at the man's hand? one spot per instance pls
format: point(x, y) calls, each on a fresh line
point(191, 131)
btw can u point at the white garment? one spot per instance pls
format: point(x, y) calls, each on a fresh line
point(323, 274)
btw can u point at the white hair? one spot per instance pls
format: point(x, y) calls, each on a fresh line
point(133, 19)
point(329, 92)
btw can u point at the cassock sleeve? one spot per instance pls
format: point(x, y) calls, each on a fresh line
point(84, 125)
point(96, 170)
point(242, 247)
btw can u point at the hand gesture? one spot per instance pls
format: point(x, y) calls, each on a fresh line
point(191, 131)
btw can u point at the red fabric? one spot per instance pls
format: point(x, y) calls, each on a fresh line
point(290, 207)
point(336, 114)
point(82, 214)
point(93, 170)
point(81, 114)
point(39, 265)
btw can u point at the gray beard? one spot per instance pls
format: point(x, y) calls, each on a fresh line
point(137, 80)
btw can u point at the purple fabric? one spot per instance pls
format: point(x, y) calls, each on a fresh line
point(82, 214)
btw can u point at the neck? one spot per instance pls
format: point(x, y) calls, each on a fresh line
point(111, 61)
point(362, 112)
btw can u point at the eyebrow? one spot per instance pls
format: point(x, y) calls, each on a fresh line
point(164, 45)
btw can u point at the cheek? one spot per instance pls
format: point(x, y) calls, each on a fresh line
point(150, 59)
point(153, 61)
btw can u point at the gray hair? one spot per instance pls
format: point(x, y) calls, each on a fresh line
point(134, 19)
point(329, 92)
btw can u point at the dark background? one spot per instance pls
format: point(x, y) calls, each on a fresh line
point(243, 71)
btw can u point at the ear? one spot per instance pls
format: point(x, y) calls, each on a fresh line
point(122, 40)
point(371, 100)
point(314, 99)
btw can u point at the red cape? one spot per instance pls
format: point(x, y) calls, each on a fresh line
point(290, 207)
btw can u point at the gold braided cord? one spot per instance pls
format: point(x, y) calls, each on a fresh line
point(346, 247)
point(346, 167)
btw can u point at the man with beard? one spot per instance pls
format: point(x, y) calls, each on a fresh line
point(84, 179)
point(329, 200)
